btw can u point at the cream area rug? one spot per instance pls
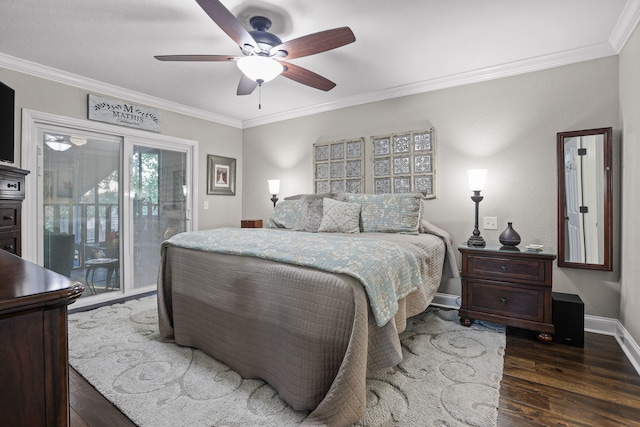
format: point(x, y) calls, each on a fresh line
point(450, 375)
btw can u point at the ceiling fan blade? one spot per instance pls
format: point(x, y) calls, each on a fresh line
point(195, 58)
point(306, 77)
point(227, 22)
point(246, 86)
point(316, 42)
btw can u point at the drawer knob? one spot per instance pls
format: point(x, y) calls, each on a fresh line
point(9, 248)
point(8, 217)
point(503, 267)
point(503, 300)
point(12, 185)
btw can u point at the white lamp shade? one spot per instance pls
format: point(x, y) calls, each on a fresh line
point(274, 186)
point(477, 178)
point(260, 68)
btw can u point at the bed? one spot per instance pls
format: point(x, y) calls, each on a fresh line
point(296, 304)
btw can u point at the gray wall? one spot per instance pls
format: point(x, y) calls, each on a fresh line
point(630, 118)
point(507, 125)
point(47, 96)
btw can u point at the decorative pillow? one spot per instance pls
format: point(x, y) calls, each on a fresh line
point(422, 228)
point(389, 213)
point(286, 214)
point(339, 217)
point(311, 211)
point(294, 197)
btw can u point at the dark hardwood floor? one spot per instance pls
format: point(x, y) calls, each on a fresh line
point(560, 385)
point(542, 385)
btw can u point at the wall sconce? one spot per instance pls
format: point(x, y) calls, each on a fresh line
point(477, 178)
point(274, 189)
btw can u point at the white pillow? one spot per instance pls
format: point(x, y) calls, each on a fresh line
point(339, 217)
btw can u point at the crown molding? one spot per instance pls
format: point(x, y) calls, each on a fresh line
point(490, 73)
point(59, 76)
point(626, 24)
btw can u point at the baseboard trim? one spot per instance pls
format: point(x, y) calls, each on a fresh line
point(595, 324)
point(613, 327)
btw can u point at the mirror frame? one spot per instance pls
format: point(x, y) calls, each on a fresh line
point(607, 264)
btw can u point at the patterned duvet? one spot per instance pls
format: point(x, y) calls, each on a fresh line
point(308, 330)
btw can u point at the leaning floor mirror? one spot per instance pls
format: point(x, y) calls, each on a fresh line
point(585, 206)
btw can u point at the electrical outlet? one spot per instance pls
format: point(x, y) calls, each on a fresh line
point(490, 223)
point(206, 204)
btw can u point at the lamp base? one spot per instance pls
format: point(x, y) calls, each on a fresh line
point(476, 241)
point(274, 199)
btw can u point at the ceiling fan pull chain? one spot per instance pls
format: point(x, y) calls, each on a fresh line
point(260, 97)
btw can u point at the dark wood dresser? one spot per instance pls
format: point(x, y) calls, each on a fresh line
point(511, 287)
point(34, 365)
point(11, 197)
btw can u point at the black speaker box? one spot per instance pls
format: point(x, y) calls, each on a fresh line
point(568, 319)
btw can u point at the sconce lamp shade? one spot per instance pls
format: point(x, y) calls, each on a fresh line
point(274, 186)
point(477, 178)
point(78, 140)
point(260, 68)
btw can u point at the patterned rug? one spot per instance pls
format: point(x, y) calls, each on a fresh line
point(450, 375)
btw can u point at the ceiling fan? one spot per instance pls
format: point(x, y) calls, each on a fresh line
point(263, 52)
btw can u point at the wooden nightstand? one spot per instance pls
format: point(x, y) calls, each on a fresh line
point(251, 223)
point(508, 287)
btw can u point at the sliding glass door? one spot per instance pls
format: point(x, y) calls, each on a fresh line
point(81, 207)
point(159, 206)
point(103, 202)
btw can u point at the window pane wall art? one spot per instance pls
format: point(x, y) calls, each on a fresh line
point(338, 167)
point(405, 162)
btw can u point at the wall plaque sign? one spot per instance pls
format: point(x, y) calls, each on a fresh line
point(123, 113)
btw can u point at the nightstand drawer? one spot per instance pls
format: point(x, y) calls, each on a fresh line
point(499, 268)
point(251, 223)
point(520, 302)
point(9, 216)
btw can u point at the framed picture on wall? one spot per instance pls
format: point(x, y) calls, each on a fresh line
point(221, 175)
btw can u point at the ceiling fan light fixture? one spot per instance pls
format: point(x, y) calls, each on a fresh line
point(260, 68)
point(56, 142)
point(58, 145)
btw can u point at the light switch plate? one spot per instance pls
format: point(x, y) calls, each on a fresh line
point(490, 223)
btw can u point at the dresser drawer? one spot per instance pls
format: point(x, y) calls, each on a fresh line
point(9, 216)
point(511, 300)
point(9, 242)
point(12, 186)
point(502, 268)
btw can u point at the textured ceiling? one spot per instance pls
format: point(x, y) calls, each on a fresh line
point(402, 47)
